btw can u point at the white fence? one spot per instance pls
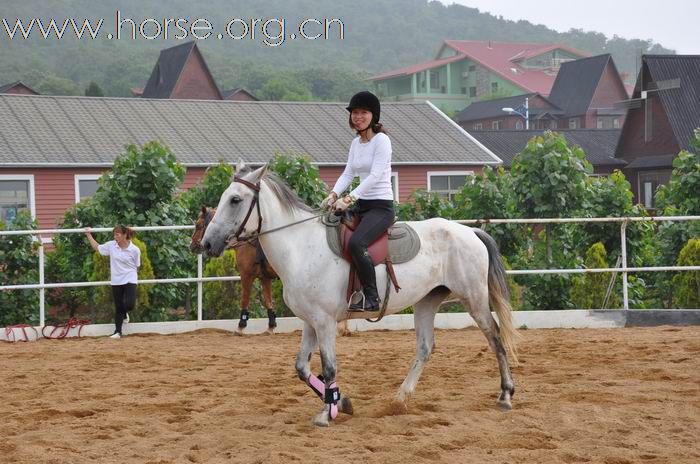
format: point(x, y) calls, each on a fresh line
point(42, 286)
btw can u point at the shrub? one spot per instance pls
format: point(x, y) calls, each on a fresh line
point(686, 284)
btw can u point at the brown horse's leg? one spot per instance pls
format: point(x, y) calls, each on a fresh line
point(267, 301)
point(246, 285)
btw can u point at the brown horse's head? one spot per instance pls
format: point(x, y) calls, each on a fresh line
point(200, 226)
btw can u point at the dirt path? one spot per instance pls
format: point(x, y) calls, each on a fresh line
point(602, 396)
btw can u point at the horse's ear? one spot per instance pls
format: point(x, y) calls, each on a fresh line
point(240, 165)
point(258, 173)
point(204, 210)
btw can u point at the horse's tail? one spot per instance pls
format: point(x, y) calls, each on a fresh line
point(499, 295)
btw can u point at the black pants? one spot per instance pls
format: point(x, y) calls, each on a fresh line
point(124, 301)
point(377, 217)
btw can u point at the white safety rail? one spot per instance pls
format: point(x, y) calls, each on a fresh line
point(42, 286)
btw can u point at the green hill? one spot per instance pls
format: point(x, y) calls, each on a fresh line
point(378, 35)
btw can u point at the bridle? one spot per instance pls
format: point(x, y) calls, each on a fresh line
point(256, 204)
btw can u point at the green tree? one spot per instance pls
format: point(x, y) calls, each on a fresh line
point(208, 192)
point(93, 90)
point(19, 264)
point(422, 205)
point(549, 179)
point(302, 176)
point(686, 284)
point(490, 196)
point(221, 298)
point(284, 89)
point(589, 290)
point(141, 190)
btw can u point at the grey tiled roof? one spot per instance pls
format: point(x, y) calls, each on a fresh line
point(598, 144)
point(577, 82)
point(70, 131)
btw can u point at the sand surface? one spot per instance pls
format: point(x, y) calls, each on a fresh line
point(601, 396)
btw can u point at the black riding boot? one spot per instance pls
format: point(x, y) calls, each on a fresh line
point(365, 272)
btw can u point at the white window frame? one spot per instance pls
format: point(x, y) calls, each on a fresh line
point(78, 178)
point(496, 125)
point(519, 125)
point(616, 123)
point(32, 197)
point(575, 122)
point(478, 126)
point(446, 173)
point(600, 123)
point(395, 178)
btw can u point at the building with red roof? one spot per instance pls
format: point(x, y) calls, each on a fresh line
point(466, 71)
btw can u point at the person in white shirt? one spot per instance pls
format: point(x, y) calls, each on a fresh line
point(369, 158)
point(124, 261)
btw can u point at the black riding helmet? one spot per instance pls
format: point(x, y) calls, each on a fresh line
point(368, 101)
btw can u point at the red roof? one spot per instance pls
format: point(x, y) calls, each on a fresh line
point(408, 70)
point(501, 58)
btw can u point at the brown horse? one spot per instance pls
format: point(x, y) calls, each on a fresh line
point(251, 264)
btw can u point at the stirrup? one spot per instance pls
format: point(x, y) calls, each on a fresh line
point(363, 300)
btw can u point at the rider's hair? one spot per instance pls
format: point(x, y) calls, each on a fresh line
point(122, 229)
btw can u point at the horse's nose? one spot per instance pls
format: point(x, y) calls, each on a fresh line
point(207, 245)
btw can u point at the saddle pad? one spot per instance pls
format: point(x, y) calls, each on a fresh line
point(404, 242)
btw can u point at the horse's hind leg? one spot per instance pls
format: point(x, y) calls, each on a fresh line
point(424, 319)
point(480, 312)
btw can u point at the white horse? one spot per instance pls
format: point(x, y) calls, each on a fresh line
point(453, 259)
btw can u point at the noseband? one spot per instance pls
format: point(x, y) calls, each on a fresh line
point(254, 204)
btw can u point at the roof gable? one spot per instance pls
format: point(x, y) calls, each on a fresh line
point(577, 82)
point(168, 70)
point(682, 105)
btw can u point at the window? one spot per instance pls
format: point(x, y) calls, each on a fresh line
point(649, 181)
point(496, 125)
point(574, 123)
point(478, 126)
point(600, 123)
point(519, 125)
point(434, 80)
point(447, 184)
point(464, 90)
point(552, 124)
point(494, 87)
point(616, 123)
point(16, 194)
point(85, 186)
point(472, 92)
point(472, 68)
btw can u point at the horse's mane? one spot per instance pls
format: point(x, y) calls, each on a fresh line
point(289, 199)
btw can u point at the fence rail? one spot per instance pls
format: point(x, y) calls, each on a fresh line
point(42, 285)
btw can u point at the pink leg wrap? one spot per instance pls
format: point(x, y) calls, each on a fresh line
point(319, 387)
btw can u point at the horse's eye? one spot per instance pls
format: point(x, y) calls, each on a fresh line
point(235, 200)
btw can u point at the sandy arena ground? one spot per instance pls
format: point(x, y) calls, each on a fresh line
point(609, 396)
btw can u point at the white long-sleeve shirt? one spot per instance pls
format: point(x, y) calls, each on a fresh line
point(372, 162)
point(123, 263)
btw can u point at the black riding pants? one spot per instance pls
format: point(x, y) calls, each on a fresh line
point(124, 301)
point(377, 217)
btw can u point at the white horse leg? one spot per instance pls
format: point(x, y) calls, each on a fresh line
point(333, 403)
point(424, 320)
point(307, 348)
point(480, 312)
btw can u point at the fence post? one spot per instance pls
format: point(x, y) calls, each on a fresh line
point(199, 287)
point(42, 291)
point(623, 235)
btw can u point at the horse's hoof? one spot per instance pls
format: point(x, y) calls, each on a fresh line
point(269, 332)
point(237, 333)
point(345, 406)
point(321, 420)
point(504, 405)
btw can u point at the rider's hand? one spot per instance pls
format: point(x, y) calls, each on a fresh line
point(343, 204)
point(327, 203)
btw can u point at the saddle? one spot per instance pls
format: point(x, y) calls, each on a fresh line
point(399, 244)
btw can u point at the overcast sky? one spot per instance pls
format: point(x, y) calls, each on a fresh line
point(672, 23)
